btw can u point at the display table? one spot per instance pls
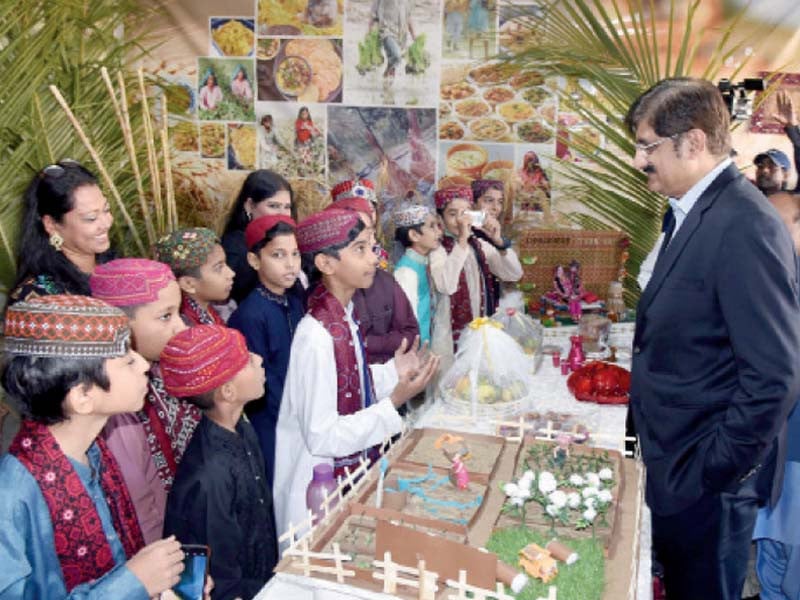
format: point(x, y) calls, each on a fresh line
point(628, 565)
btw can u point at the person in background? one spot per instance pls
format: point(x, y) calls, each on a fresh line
point(335, 407)
point(465, 270)
point(773, 168)
point(268, 318)
point(210, 93)
point(263, 192)
point(392, 18)
point(148, 444)
point(197, 259)
point(417, 230)
point(221, 498)
point(68, 528)
point(64, 233)
point(715, 371)
point(268, 143)
point(240, 85)
point(489, 196)
point(386, 317)
point(776, 532)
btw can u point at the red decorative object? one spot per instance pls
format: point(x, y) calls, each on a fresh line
point(600, 382)
point(576, 355)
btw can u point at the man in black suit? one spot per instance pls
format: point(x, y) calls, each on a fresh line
point(715, 366)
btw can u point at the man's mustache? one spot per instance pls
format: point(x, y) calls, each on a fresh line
point(649, 169)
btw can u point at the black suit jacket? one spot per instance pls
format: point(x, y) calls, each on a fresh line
point(715, 369)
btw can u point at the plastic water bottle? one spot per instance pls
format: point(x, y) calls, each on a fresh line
point(322, 484)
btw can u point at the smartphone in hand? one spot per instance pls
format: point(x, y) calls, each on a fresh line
point(193, 578)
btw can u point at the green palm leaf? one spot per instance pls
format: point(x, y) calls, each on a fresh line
point(615, 46)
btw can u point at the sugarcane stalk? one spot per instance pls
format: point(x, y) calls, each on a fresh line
point(152, 159)
point(127, 135)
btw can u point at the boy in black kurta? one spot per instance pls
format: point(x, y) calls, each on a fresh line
point(220, 496)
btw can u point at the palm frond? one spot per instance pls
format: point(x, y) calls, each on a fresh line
point(618, 48)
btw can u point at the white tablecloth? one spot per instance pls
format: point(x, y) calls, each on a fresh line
point(549, 392)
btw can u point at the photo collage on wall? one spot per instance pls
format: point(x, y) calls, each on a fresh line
point(408, 93)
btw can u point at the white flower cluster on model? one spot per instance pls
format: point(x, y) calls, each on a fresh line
point(578, 499)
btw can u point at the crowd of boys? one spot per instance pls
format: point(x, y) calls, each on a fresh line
point(150, 423)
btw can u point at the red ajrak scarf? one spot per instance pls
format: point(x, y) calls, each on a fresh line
point(81, 544)
point(197, 315)
point(325, 308)
point(460, 305)
point(168, 424)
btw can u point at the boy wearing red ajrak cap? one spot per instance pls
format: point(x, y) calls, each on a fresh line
point(268, 317)
point(330, 411)
point(67, 524)
point(220, 497)
point(148, 444)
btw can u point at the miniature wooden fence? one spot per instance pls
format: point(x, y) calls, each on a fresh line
point(552, 594)
point(463, 588)
point(421, 579)
point(637, 531)
point(304, 554)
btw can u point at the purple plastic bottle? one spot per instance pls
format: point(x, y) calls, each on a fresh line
point(322, 484)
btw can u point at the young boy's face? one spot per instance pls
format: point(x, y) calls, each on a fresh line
point(429, 236)
point(355, 268)
point(216, 278)
point(277, 263)
point(128, 378)
point(451, 213)
point(491, 202)
point(153, 324)
point(249, 382)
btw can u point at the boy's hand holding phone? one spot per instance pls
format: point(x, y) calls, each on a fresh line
point(158, 565)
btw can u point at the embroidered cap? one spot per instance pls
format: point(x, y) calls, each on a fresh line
point(66, 326)
point(355, 204)
point(185, 249)
point(413, 214)
point(354, 188)
point(129, 281)
point(325, 229)
point(447, 195)
point(257, 229)
point(481, 186)
point(201, 359)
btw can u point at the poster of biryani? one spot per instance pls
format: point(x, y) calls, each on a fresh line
point(291, 138)
point(391, 51)
point(394, 147)
point(496, 102)
point(299, 70)
point(300, 17)
point(231, 36)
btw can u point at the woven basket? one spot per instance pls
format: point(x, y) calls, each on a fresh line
point(600, 253)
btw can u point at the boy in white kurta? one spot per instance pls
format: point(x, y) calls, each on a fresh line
point(465, 270)
point(331, 412)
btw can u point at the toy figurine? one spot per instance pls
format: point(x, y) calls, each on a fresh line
point(459, 476)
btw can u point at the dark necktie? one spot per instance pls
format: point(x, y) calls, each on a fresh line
point(668, 227)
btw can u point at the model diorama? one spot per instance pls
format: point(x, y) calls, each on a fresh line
point(417, 524)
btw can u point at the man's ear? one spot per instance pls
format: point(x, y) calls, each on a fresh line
point(80, 400)
point(188, 284)
point(325, 264)
point(253, 260)
point(697, 141)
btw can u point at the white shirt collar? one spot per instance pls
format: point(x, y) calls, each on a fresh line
point(686, 202)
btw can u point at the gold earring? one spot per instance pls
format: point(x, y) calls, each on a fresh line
point(56, 241)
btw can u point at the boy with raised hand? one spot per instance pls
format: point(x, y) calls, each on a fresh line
point(220, 497)
point(465, 269)
point(197, 259)
point(148, 444)
point(417, 230)
point(67, 524)
point(331, 412)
